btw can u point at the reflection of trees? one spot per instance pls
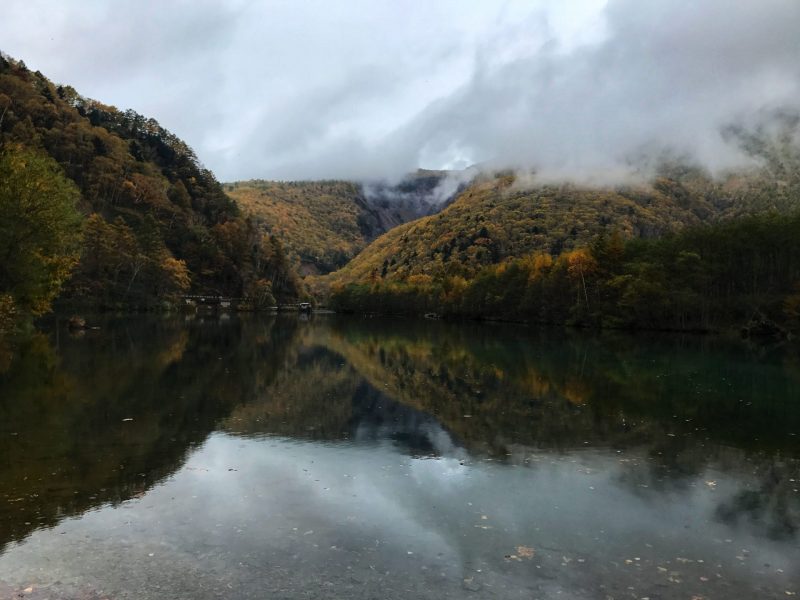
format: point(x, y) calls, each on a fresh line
point(689, 403)
point(558, 391)
point(684, 401)
point(522, 391)
point(310, 397)
point(318, 395)
point(65, 445)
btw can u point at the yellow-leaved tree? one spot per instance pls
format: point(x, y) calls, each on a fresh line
point(40, 231)
point(581, 263)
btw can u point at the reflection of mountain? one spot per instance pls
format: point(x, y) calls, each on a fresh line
point(496, 389)
point(429, 388)
point(381, 417)
point(102, 418)
point(320, 396)
point(688, 407)
point(556, 391)
point(679, 406)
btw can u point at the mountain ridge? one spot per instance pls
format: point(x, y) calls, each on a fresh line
point(504, 215)
point(324, 224)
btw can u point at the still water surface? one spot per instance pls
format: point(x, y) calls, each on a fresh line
point(345, 458)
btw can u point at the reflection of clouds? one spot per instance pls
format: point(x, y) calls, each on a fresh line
point(574, 505)
point(443, 469)
point(308, 484)
point(443, 442)
point(419, 428)
point(327, 507)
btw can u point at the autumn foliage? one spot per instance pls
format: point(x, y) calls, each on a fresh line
point(158, 224)
point(40, 232)
point(704, 278)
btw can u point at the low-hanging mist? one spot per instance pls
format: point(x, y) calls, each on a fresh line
point(588, 90)
point(667, 78)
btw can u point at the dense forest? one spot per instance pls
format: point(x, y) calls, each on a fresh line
point(740, 273)
point(105, 207)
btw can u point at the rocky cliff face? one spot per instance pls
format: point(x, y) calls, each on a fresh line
point(418, 195)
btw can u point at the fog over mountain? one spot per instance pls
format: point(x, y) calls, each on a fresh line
point(364, 90)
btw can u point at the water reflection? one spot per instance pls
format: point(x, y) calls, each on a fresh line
point(426, 460)
point(100, 418)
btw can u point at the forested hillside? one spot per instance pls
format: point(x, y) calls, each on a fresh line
point(324, 224)
point(493, 220)
point(496, 219)
point(155, 223)
point(685, 251)
point(740, 273)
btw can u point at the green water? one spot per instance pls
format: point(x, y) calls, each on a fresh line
point(204, 457)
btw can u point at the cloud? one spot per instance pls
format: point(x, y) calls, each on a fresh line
point(667, 74)
point(364, 89)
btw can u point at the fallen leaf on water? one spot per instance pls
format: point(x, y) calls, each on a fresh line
point(525, 551)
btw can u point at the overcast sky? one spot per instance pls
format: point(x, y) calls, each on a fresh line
point(368, 88)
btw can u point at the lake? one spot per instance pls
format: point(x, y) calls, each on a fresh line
point(257, 457)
